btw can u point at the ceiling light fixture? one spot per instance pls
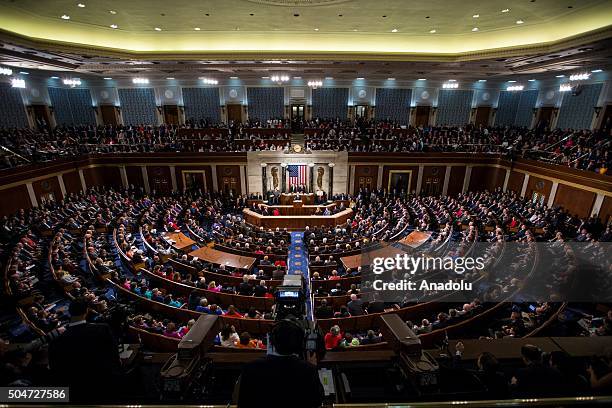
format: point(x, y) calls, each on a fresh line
point(432, 31)
point(513, 88)
point(511, 80)
point(422, 79)
point(395, 30)
point(265, 77)
point(565, 88)
point(329, 78)
point(597, 70)
point(315, 84)
point(531, 80)
point(297, 77)
point(24, 73)
point(475, 29)
point(65, 17)
point(390, 79)
point(482, 80)
point(108, 78)
point(360, 79)
point(140, 81)
point(6, 71)
point(579, 77)
point(233, 77)
point(197, 28)
point(452, 80)
point(54, 77)
point(157, 29)
point(450, 85)
point(170, 78)
point(113, 12)
point(279, 79)
point(81, 5)
point(560, 76)
point(316, 29)
point(519, 21)
point(476, 16)
point(114, 26)
point(72, 82)
point(17, 83)
point(505, 10)
point(209, 81)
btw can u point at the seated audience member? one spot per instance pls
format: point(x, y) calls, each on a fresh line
point(536, 378)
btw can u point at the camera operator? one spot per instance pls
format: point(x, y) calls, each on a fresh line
point(295, 382)
point(85, 357)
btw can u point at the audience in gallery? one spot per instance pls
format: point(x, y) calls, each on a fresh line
point(74, 223)
point(580, 149)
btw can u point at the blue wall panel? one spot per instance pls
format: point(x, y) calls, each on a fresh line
point(11, 108)
point(138, 106)
point(393, 104)
point(202, 103)
point(330, 103)
point(266, 103)
point(577, 111)
point(454, 107)
point(72, 106)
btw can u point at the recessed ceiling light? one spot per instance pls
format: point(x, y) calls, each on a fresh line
point(197, 28)
point(65, 17)
point(482, 80)
point(266, 77)
point(560, 76)
point(511, 80)
point(395, 30)
point(316, 29)
point(422, 79)
point(360, 79)
point(108, 78)
point(24, 73)
point(505, 10)
point(329, 78)
point(113, 26)
point(476, 16)
point(170, 78)
point(233, 77)
point(597, 70)
point(390, 79)
point(354, 29)
point(112, 12)
point(531, 80)
point(81, 5)
point(519, 21)
point(54, 77)
point(157, 29)
point(433, 31)
point(298, 77)
point(475, 29)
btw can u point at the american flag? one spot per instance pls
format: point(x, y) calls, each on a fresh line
point(297, 174)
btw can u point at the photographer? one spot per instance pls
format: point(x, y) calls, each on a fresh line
point(85, 357)
point(296, 382)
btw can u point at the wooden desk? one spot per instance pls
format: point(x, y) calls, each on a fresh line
point(583, 346)
point(223, 258)
point(289, 198)
point(416, 238)
point(181, 241)
point(367, 258)
point(297, 222)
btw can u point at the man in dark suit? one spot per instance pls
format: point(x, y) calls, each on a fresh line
point(355, 306)
point(536, 379)
point(86, 358)
point(324, 311)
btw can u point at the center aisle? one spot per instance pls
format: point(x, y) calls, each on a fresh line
point(297, 264)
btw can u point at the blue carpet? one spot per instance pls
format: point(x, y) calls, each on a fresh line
point(298, 264)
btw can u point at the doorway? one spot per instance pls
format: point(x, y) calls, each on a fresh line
point(483, 113)
point(171, 115)
point(545, 117)
point(361, 112)
point(109, 115)
point(41, 116)
point(194, 180)
point(399, 182)
point(606, 121)
point(297, 118)
point(234, 113)
point(422, 116)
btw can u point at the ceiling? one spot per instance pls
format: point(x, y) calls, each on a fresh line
point(553, 39)
point(273, 26)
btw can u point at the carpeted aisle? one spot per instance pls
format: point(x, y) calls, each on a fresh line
point(298, 263)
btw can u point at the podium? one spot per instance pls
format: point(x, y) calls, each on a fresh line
point(289, 198)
